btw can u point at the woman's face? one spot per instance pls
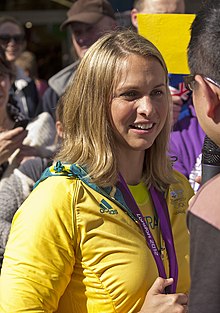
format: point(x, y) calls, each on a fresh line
point(5, 85)
point(11, 40)
point(140, 104)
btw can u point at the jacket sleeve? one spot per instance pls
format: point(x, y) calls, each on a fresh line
point(39, 256)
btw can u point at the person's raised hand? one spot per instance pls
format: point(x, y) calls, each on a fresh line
point(10, 141)
point(157, 301)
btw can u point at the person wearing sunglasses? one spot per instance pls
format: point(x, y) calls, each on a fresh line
point(204, 214)
point(12, 40)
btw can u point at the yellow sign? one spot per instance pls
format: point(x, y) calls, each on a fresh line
point(170, 33)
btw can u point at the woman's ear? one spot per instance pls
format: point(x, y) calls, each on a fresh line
point(59, 128)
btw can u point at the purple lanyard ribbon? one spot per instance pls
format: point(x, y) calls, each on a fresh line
point(163, 215)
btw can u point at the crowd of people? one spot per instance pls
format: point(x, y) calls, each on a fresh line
point(101, 203)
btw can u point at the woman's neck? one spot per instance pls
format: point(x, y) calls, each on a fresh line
point(131, 166)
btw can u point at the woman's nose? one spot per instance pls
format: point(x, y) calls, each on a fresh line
point(145, 106)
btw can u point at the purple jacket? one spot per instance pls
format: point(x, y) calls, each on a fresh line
point(186, 142)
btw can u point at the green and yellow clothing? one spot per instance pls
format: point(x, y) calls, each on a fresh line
point(76, 248)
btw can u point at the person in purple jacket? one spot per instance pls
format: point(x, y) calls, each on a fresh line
point(186, 143)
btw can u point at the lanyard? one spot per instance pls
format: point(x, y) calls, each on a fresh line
point(163, 215)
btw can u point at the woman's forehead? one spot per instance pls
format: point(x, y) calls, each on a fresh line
point(137, 63)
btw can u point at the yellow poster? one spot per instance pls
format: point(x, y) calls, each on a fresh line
point(170, 33)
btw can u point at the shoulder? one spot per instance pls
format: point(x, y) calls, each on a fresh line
point(57, 186)
point(60, 80)
point(178, 196)
point(181, 187)
point(66, 70)
point(58, 178)
point(181, 179)
point(52, 199)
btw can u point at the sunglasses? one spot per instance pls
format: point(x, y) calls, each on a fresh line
point(190, 81)
point(5, 38)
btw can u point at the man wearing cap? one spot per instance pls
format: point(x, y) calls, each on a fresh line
point(87, 20)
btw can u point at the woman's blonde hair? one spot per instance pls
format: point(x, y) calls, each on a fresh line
point(88, 132)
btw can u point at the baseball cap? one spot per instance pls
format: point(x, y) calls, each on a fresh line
point(88, 11)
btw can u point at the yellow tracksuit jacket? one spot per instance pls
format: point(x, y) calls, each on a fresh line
point(75, 248)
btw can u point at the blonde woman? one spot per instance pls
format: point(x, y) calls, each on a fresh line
point(80, 242)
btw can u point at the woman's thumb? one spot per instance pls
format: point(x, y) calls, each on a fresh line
point(159, 285)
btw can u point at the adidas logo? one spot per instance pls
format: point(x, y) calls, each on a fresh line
point(105, 207)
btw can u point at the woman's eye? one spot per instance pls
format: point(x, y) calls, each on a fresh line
point(130, 95)
point(157, 93)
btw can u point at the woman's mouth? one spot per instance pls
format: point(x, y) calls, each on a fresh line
point(142, 126)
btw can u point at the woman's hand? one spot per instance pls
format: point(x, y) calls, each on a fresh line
point(157, 301)
point(10, 141)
